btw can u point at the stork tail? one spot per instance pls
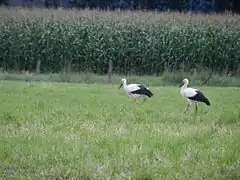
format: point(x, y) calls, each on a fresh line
point(206, 101)
point(149, 94)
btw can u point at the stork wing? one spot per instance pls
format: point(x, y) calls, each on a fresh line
point(143, 90)
point(142, 87)
point(133, 87)
point(190, 92)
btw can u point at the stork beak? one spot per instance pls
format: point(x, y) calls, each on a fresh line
point(181, 84)
point(120, 85)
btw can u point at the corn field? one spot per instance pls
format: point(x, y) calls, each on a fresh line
point(141, 43)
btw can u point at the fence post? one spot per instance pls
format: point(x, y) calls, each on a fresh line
point(38, 66)
point(110, 68)
point(69, 67)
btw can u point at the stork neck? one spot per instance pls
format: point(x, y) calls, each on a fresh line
point(124, 84)
point(184, 87)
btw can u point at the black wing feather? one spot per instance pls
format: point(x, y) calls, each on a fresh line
point(200, 97)
point(143, 91)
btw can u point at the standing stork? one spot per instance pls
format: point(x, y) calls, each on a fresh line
point(135, 91)
point(192, 95)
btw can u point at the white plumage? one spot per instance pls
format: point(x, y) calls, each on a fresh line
point(135, 91)
point(193, 95)
point(188, 92)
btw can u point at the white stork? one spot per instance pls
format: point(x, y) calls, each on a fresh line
point(192, 95)
point(135, 91)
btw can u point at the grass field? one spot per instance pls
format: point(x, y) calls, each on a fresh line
point(82, 131)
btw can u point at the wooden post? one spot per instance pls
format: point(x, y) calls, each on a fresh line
point(110, 68)
point(38, 66)
point(238, 69)
point(69, 67)
point(68, 70)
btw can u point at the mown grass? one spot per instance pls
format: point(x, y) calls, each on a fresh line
point(83, 131)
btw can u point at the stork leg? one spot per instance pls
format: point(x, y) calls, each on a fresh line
point(186, 109)
point(196, 108)
point(134, 100)
point(144, 99)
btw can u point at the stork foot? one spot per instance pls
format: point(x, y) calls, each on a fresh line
point(186, 109)
point(144, 100)
point(134, 100)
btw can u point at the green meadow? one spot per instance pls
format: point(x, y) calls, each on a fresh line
point(94, 131)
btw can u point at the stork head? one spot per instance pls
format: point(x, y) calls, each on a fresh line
point(185, 82)
point(124, 81)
